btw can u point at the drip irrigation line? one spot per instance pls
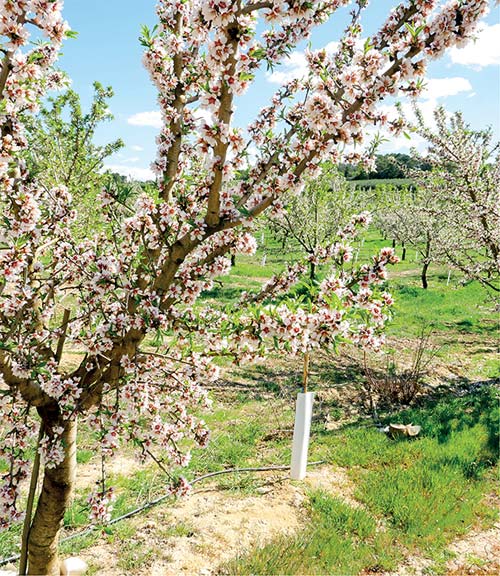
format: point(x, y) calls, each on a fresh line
point(163, 497)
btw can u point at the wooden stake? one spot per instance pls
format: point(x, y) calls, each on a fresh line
point(305, 375)
point(23, 562)
point(62, 338)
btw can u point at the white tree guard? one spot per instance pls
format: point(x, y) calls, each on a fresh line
point(301, 431)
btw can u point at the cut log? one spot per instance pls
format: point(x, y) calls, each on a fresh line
point(403, 430)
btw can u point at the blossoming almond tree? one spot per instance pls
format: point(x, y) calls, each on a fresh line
point(106, 297)
point(462, 193)
point(312, 218)
point(414, 218)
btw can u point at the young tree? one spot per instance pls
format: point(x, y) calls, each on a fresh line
point(144, 279)
point(462, 195)
point(412, 217)
point(312, 218)
point(61, 149)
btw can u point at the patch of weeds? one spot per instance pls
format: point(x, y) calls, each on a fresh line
point(10, 541)
point(440, 559)
point(120, 531)
point(338, 540)
point(445, 415)
point(335, 413)
point(92, 570)
point(243, 484)
point(179, 530)
point(84, 456)
point(229, 449)
point(431, 489)
point(76, 545)
point(133, 490)
point(475, 561)
point(77, 515)
point(134, 554)
point(427, 505)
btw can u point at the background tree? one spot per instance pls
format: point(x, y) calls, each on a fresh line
point(387, 167)
point(62, 152)
point(464, 185)
point(139, 285)
point(412, 217)
point(313, 218)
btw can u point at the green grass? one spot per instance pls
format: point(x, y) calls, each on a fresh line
point(450, 308)
point(377, 182)
point(446, 308)
point(134, 555)
point(426, 492)
point(338, 539)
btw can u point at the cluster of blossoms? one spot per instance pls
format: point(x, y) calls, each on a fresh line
point(101, 505)
point(348, 306)
point(137, 279)
point(16, 431)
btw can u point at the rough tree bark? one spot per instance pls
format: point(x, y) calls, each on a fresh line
point(54, 499)
point(424, 275)
point(312, 271)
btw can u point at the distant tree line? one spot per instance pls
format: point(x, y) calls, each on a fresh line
point(388, 166)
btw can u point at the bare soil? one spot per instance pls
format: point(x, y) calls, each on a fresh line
point(201, 531)
point(198, 533)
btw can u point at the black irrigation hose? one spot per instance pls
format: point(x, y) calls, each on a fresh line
point(160, 499)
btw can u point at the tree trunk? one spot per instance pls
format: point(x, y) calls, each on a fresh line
point(312, 271)
point(424, 275)
point(403, 255)
point(54, 499)
point(427, 261)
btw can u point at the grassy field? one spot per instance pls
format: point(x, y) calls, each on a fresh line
point(414, 496)
point(377, 182)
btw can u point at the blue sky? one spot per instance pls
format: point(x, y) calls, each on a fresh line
point(107, 49)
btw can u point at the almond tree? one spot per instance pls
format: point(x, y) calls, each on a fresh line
point(462, 193)
point(413, 217)
point(61, 150)
point(103, 296)
point(311, 219)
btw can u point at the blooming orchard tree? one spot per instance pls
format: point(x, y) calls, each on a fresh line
point(414, 218)
point(462, 194)
point(311, 218)
point(106, 296)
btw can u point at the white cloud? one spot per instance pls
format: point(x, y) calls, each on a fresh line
point(485, 51)
point(136, 148)
point(152, 119)
point(295, 66)
point(436, 90)
point(134, 172)
point(400, 143)
point(442, 87)
point(155, 120)
point(202, 114)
